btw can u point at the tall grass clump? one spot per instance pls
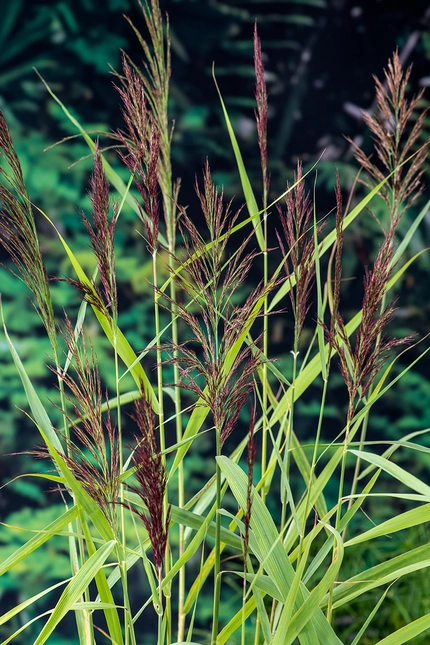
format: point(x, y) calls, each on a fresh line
point(263, 552)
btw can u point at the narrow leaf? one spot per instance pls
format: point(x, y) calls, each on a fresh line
point(75, 589)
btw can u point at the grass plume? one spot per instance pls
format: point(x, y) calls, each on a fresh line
point(18, 234)
point(219, 355)
point(94, 460)
point(152, 481)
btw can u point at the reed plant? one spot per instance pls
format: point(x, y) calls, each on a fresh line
point(128, 513)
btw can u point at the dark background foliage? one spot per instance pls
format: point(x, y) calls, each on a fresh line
point(319, 57)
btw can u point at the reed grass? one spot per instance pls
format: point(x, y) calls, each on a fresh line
point(287, 569)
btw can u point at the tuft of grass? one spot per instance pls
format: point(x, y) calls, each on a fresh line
point(270, 577)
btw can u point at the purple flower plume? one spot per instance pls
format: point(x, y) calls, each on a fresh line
point(395, 139)
point(142, 150)
point(18, 233)
point(262, 107)
point(152, 480)
point(299, 255)
point(101, 232)
point(360, 364)
point(211, 283)
point(93, 456)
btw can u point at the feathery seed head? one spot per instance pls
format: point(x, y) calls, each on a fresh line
point(18, 233)
point(394, 139)
point(102, 231)
point(359, 364)
point(299, 255)
point(220, 323)
point(262, 107)
point(142, 145)
point(96, 464)
point(152, 480)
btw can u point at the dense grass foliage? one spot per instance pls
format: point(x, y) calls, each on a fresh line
point(267, 542)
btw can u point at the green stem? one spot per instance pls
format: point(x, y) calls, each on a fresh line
point(83, 621)
point(217, 565)
point(257, 631)
point(160, 634)
point(288, 439)
point(364, 426)
point(339, 503)
point(363, 434)
point(265, 351)
point(342, 475)
point(313, 463)
point(128, 623)
point(159, 366)
point(181, 477)
point(161, 422)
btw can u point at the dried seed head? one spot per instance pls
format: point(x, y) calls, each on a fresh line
point(262, 107)
point(18, 233)
point(299, 254)
point(96, 464)
point(215, 332)
point(360, 364)
point(142, 145)
point(396, 131)
point(102, 231)
point(152, 480)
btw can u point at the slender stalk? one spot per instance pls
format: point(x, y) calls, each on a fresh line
point(289, 429)
point(265, 349)
point(159, 366)
point(84, 624)
point(243, 631)
point(313, 463)
point(363, 429)
point(170, 210)
point(342, 474)
point(257, 631)
point(161, 431)
point(128, 625)
point(362, 439)
point(130, 636)
point(181, 477)
point(339, 506)
point(217, 564)
point(122, 550)
point(160, 630)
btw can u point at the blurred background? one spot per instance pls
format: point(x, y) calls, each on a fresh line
point(319, 57)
